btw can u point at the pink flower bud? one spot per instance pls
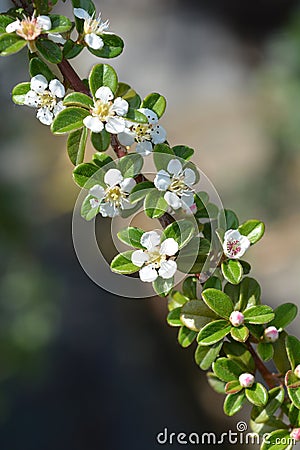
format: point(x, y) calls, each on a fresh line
point(246, 380)
point(297, 371)
point(271, 334)
point(236, 318)
point(295, 434)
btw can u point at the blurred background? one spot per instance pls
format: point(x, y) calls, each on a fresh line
point(81, 369)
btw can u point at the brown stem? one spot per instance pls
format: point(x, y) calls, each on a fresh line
point(119, 149)
point(71, 77)
point(270, 378)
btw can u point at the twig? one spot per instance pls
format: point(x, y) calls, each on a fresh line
point(71, 77)
point(270, 378)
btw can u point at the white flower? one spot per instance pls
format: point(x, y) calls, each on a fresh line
point(146, 135)
point(235, 244)
point(92, 28)
point(157, 259)
point(45, 97)
point(114, 197)
point(177, 182)
point(106, 112)
point(30, 27)
point(57, 38)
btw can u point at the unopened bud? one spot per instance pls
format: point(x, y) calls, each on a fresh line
point(246, 380)
point(236, 318)
point(295, 434)
point(297, 371)
point(271, 334)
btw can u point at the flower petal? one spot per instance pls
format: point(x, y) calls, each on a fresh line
point(44, 22)
point(139, 257)
point(115, 125)
point(144, 148)
point(150, 239)
point(81, 13)
point(12, 27)
point(127, 137)
point(58, 108)
point(94, 202)
point(169, 247)
point(189, 176)
point(57, 88)
point(38, 84)
point(94, 41)
point(162, 180)
point(98, 192)
point(109, 210)
point(167, 269)
point(245, 243)
point(32, 99)
point(93, 123)
point(120, 106)
point(173, 200)
point(104, 93)
point(45, 116)
point(148, 274)
point(127, 185)
point(151, 116)
point(187, 198)
point(158, 134)
point(232, 235)
point(57, 38)
point(113, 177)
point(174, 167)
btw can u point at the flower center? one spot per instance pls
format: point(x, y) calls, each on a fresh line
point(47, 100)
point(155, 258)
point(177, 184)
point(102, 110)
point(142, 132)
point(233, 247)
point(91, 26)
point(115, 195)
point(29, 29)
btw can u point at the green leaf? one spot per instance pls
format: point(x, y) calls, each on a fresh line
point(11, 43)
point(71, 49)
point(232, 221)
point(273, 424)
point(76, 145)
point(78, 99)
point(122, 263)
point(182, 151)
point(293, 350)
point(85, 175)
point(233, 403)
point(258, 314)
point(232, 271)
point(213, 282)
point(162, 287)
point(291, 380)
point(162, 155)
point(155, 204)
point(60, 24)
point(4, 21)
point(277, 440)
point(201, 200)
point(19, 93)
point(246, 267)
point(280, 357)
point(213, 332)
point(103, 75)
point(101, 140)
point(232, 387)
point(189, 287)
point(173, 318)
point(227, 369)
point(41, 6)
point(113, 46)
point(127, 93)
point(186, 337)
point(181, 231)
point(247, 293)
point(140, 190)
point(49, 50)
point(88, 6)
point(156, 103)
point(253, 229)
point(263, 414)
point(239, 353)
point(218, 302)
point(284, 315)
point(192, 256)
point(257, 394)
point(176, 299)
point(294, 416)
point(104, 161)
point(87, 212)
point(136, 116)
point(265, 351)
point(37, 67)
point(240, 333)
point(195, 315)
point(131, 236)
point(293, 392)
point(216, 384)
point(69, 119)
point(205, 356)
point(131, 165)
